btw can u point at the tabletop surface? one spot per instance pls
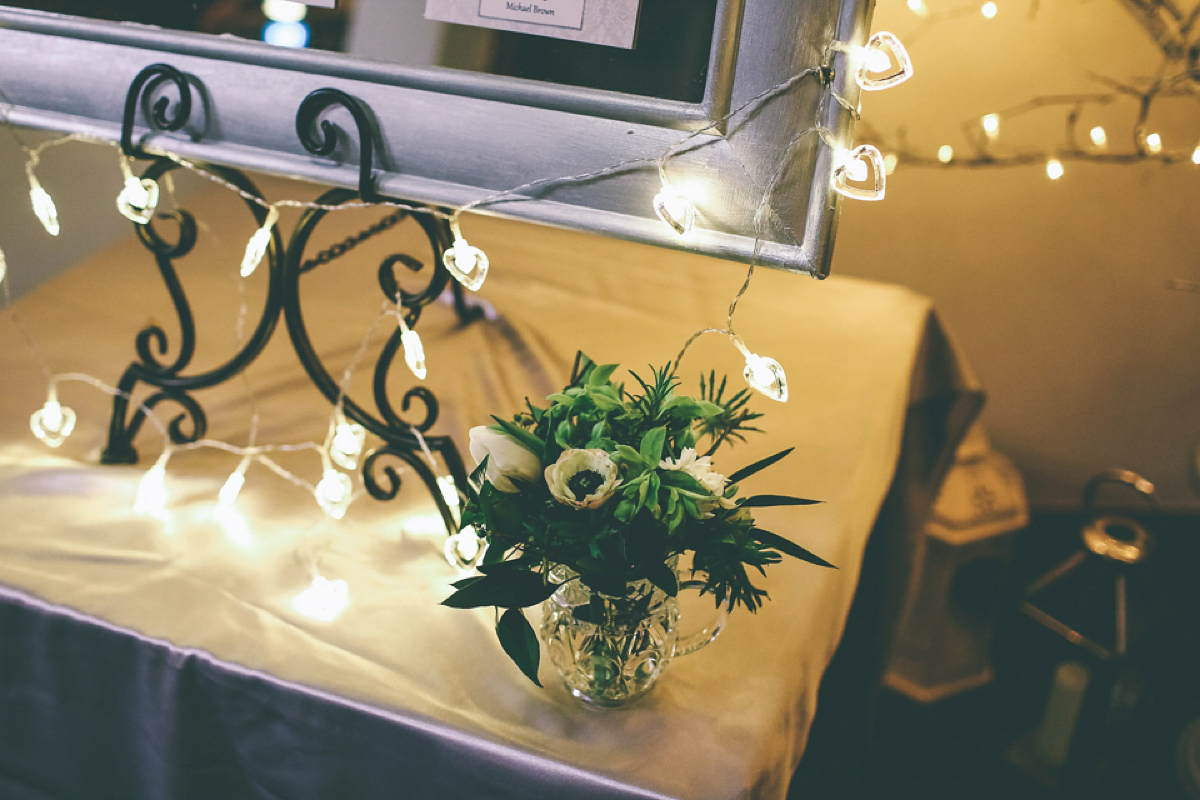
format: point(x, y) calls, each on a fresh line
point(729, 721)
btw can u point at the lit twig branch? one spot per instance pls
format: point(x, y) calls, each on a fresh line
point(1173, 31)
point(1177, 76)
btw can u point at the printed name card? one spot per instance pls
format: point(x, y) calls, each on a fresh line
point(608, 22)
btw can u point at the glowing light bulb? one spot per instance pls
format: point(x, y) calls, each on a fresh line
point(284, 10)
point(334, 493)
point(1099, 137)
point(1195, 160)
point(233, 486)
point(449, 490)
point(43, 206)
point(468, 265)
point(151, 500)
point(856, 170)
point(465, 549)
point(991, 124)
point(138, 199)
point(988, 10)
point(324, 600)
point(918, 7)
point(890, 161)
point(3, 267)
point(676, 210)
point(52, 423)
point(347, 444)
point(414, 350)
point(875, 70)
point(1154, 143)
point(1054, 169)
point(945, 154)
point(286, 34)
point(862, 165)
point(765, 375)
point(256, 248)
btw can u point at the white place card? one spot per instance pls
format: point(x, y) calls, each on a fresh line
point(608, 22)
point(321, 3)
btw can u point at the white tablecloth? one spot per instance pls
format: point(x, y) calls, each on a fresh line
point(144, 657)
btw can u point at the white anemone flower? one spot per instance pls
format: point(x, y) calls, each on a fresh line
point(700, 468)
point(508, 458)
point(582, 478)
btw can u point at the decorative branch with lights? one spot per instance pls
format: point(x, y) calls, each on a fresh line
point(1176, 34)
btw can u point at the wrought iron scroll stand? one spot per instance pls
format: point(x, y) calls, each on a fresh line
point(170, 380)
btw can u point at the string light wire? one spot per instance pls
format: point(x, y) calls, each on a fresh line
point(139, 199)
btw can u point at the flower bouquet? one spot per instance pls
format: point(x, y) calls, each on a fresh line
point(586, 506)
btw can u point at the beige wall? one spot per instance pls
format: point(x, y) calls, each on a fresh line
point(1057, 291)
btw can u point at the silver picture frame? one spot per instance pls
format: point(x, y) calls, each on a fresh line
point(452, 138)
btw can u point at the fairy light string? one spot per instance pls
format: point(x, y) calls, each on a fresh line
point(1172, 30)
point(345, 441)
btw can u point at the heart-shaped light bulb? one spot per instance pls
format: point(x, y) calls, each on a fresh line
point(151, 500)
point(349, 438)
point(334, 493)
point(231, 489)
point(766, 375)
point(465, 549)
point(52, 423)
point(676, 210)
point(857, 170)
point(857, 167)
point(138, 199)
point(414, 352)
point(468, 265)
point(449, 490)
point(43, 207)
point(256, 248)
point(885, 63)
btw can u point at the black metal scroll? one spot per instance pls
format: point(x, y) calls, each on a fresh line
point(147, 80)
point(152, 344)
point(402, 438)
point(326, 142)
point(402, 431)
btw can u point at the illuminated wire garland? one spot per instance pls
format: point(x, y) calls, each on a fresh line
point(1172, 30)
point(857, 172)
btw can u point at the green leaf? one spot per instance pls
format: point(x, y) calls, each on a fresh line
point(600, 375)
point(681, 480)
point(477, 477)
point(787, 547)
point(746, 472)
point(530, 442)
point(500, 567)
point(664, 578)
point(652, 444)
point(628, 455)
point(766, 500)
point(605, 401)
point(562, 399)
point(519, 642)
point(684, 406)
point(562, 434)
point(505, 590)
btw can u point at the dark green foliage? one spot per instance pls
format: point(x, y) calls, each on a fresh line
point(667, 500)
